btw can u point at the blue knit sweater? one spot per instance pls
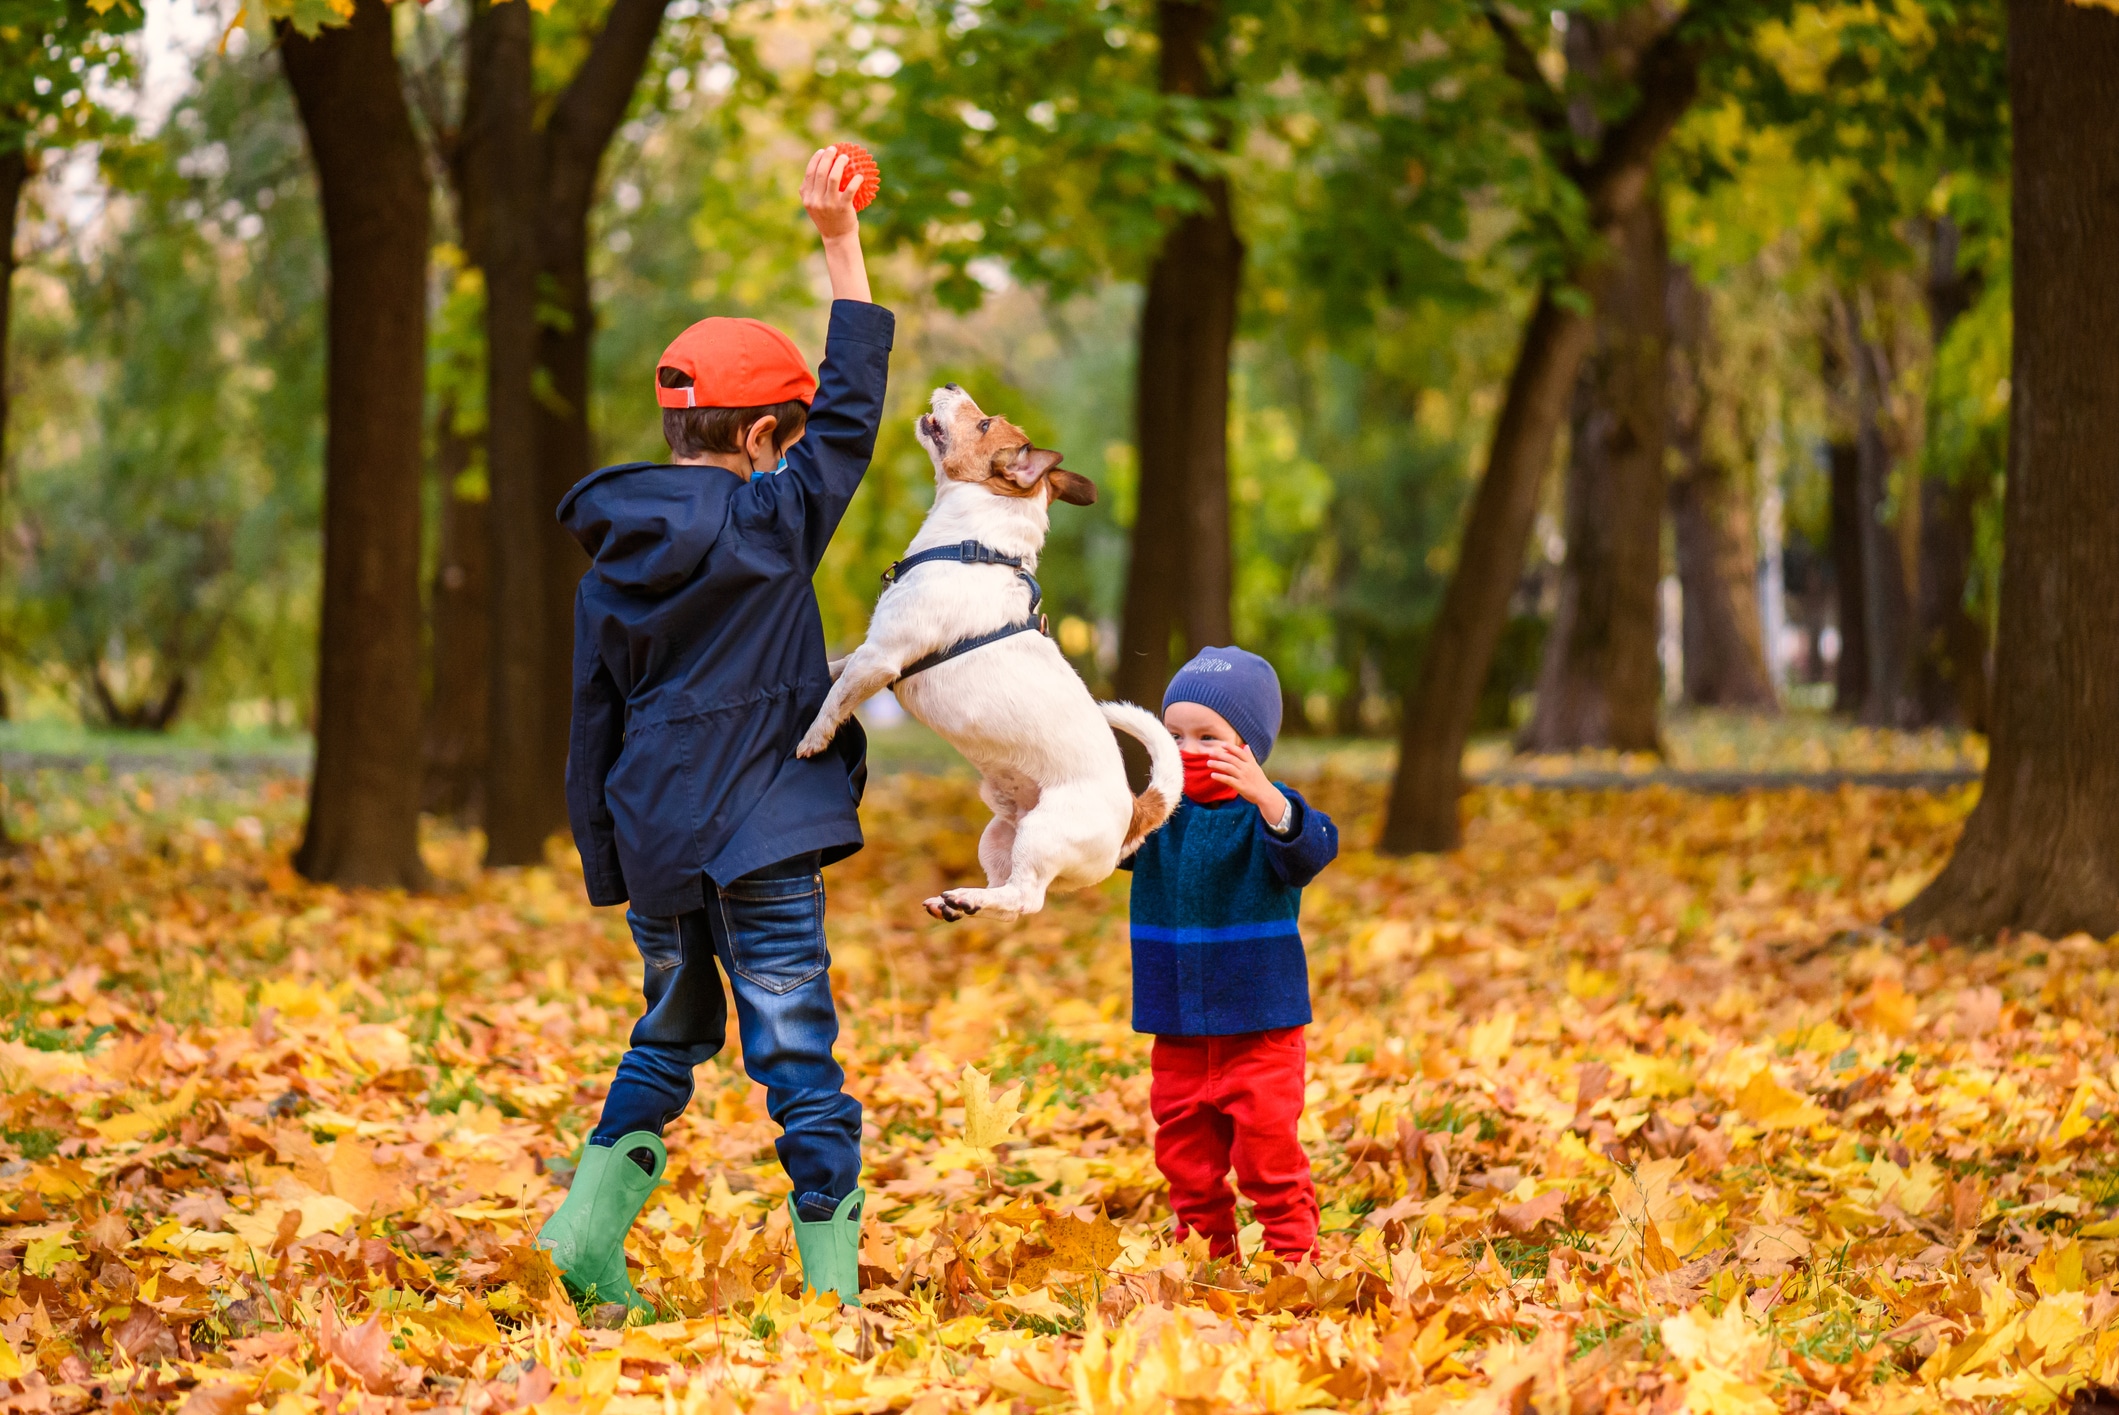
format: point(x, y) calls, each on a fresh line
point(1217, 948)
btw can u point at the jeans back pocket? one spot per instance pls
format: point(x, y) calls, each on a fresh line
point(774, 930)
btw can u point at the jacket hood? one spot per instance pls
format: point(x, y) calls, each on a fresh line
point(647, 525)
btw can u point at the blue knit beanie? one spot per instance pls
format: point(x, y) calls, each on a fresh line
point(1239, 685)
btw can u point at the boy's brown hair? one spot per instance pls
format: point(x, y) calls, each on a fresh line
point(693, 432)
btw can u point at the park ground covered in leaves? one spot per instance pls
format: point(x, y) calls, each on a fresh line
point(1627, 1105)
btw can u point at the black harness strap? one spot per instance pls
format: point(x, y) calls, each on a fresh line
point(971, 552)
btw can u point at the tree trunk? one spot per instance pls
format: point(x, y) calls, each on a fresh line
point(455, 735)
point(2041, 850)
point(576, 136)
point(1950, 673)
point(1599, 683)
point(1850, 682)
point(1887, 610)
point(1179, 577)
point(1950, 661)
point(523, 801)
point(1725, 660)
point(363, 826)
point(1437, 715)
point(14, 176)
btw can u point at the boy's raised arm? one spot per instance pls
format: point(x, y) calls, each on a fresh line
point(832, 212)
point(825, 468)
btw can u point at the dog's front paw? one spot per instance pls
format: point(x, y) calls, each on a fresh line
point(818, 738)
point(949, 907)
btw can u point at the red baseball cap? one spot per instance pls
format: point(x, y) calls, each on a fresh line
point(735, 363)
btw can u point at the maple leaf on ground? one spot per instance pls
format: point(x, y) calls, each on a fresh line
point(361, 1182)
point(217, 1398)
point(988, 1119)
point(364, 1351)
point(1523, 1217)
point(1769, 1105)
point(143, 1338)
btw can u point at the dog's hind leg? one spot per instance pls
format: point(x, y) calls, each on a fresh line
point(1046, 840)
point(862, 674)
point(997, 841)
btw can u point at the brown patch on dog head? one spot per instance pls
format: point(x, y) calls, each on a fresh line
point(974, 446)
point(1070, 487)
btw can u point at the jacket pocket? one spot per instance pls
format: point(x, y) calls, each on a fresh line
point(775, 930)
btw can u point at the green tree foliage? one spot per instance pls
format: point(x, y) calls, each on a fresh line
point(170, 530)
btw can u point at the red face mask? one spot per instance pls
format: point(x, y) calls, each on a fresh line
point(1200, 784)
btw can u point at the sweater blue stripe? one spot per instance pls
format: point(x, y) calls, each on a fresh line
point(1232, 933)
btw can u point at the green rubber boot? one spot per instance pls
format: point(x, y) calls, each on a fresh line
point(831, 1248)
point(586, 1237)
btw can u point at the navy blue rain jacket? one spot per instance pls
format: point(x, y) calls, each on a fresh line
point(699, 653)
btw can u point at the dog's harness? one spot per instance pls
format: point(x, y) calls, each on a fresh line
point(971, 552)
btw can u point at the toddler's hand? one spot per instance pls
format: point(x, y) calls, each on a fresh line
point(830, 208)
point(1235, 766)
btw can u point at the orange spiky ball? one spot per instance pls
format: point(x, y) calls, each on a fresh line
point(862, 170)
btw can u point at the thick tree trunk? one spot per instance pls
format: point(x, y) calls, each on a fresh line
point(576, 136)
point(523, 800)
point(1437, 715)
point(14, 176)
point(1886, 607)
point(2041, 850)
point(1725, 661)
point(363, 826)
point(1950, 659)
point(1179, 578)
point(1850, 682)
point(455, 734)
point(1599, 683)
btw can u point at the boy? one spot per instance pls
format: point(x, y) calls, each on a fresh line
point(698, 662)
point(1219, 974)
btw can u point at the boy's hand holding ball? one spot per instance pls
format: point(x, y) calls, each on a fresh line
point(839, 181)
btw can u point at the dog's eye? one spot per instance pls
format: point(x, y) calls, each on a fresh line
point(985, 423)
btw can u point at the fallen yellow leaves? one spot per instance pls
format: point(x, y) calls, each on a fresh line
point(1622, 1108)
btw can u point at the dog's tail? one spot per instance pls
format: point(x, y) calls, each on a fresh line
point(1166, 771)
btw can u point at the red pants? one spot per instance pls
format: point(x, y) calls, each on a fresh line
point(1223, 1099)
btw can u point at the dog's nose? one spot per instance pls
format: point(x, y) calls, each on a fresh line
point(952, 388)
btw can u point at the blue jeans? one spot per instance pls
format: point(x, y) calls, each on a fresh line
point(767, 929)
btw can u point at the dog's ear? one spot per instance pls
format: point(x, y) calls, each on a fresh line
point(1031, 463)
point(1072, 488)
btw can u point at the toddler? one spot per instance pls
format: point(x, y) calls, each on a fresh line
point(1219, 974)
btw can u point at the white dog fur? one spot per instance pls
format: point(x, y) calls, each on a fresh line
point(1063, 815)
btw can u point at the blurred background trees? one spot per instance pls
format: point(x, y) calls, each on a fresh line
point(1493, 370)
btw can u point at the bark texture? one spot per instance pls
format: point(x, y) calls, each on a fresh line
point(1886, 608)
point(576, 135)
point(2041, 850)
point(1179, 576)
point(1599, 684)
point(1437, 717)
point(14, 176)
point(1850, 682)
point(1950, 669)
point(1725, 661)
point(1950, 643)
point(523, 790)
point(455, 735)
point(363, 826)
point(526, 189)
